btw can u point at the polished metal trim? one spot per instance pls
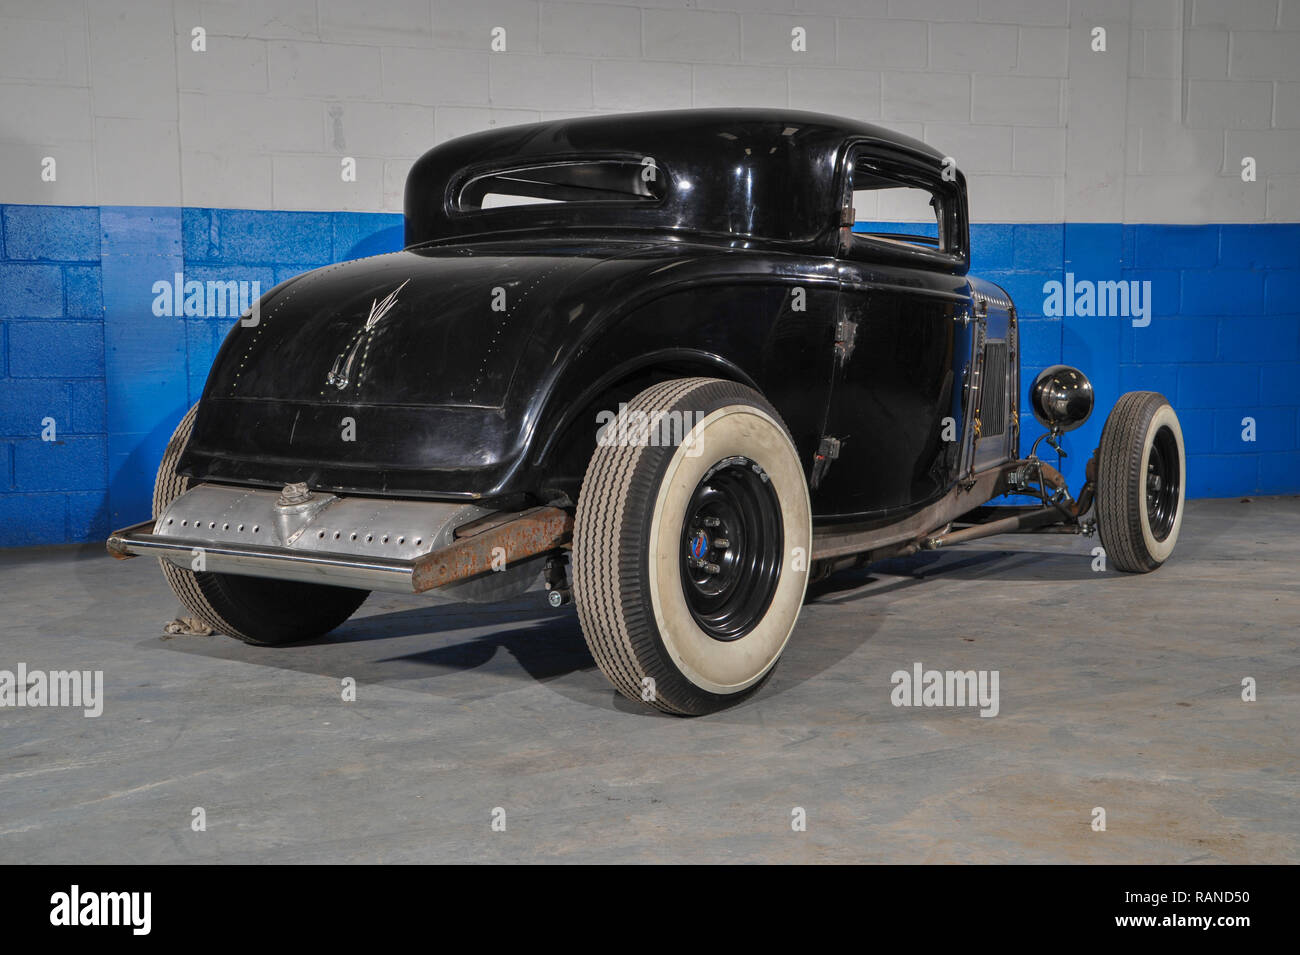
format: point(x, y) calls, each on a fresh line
point(441, 560)
point(377, 573)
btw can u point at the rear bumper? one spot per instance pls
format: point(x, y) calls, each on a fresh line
point(400, 546)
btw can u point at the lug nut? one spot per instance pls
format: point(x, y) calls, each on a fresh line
point(705, 566)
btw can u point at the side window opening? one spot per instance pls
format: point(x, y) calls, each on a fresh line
point(893, 210)
point(596, 180)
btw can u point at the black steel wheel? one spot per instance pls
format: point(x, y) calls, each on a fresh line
point(731, 548)
point(1164, 482)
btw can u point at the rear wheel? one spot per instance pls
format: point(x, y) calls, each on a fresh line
point(690, 556)
point(1141, 482)
point(256, 610)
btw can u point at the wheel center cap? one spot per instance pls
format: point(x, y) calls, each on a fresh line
point(699, 544)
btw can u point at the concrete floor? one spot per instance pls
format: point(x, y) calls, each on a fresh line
point(1116, 691)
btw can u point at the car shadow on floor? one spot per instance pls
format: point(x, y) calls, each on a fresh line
point(962, 563)
point(393, 645)
point(495, 647)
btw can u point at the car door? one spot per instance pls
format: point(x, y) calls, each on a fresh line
point(898, 423)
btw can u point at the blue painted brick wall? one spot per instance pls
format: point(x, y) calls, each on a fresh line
point(1223, 343)
point(51, 373)
point(79, 342)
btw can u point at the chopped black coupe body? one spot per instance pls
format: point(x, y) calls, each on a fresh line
point(689, 359)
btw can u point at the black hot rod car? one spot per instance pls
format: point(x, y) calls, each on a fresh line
point(650, 355)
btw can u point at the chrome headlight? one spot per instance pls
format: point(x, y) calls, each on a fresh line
point(1061, 398)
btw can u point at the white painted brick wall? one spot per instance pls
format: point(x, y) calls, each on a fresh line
point(312, 70)
point(1235, 14)
point(1023, 100)
point(264, 19)
point(133, 59)
point(1157, 14)
point(770, 38)
point(42, 51)
point(541, 81)
point(974, 47)
point(925, 96)
point(851, 93)
point(137, 161)
point(313, 182)
point(640, 85)
point(208, 178)
point(230, 65)
point(1094, 97)
point(586, 29)
point(1152, 129)
point(75, 186)
point(378, 129)
point(1043, 51)
point(1265, 56)
point(716, 86)
point(392, 22)
point(962, 11)
point(691, 35)
point(452, 121)
point(1016, 198)
point(433, 78)
point(239, 122)
point(468, 24)
point(1038, 149)
point(1286, 106)
point(49, 115)
point(1205, 54)
point(1149, 199)
point(1038, 12)
point(1154, 103)
point(977, 149)
point(1283, 204)
point(884, 44)
point(845, 8)
point(1228, 104)
point(1174, 148)
point(1159, 53)
point(1275, 151)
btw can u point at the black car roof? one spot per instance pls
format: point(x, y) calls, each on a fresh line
point(673, 129)
point(763, 173)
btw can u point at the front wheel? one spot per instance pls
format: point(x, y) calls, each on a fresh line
point(691, 545)
point(1141, 482)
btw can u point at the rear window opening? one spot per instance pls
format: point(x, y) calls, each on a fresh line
point(578, 181)
point(894, 211)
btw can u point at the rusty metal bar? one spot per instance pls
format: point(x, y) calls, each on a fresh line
point(118, 544)
point(1015, 524)
point(840, 541)
point(533, 532)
